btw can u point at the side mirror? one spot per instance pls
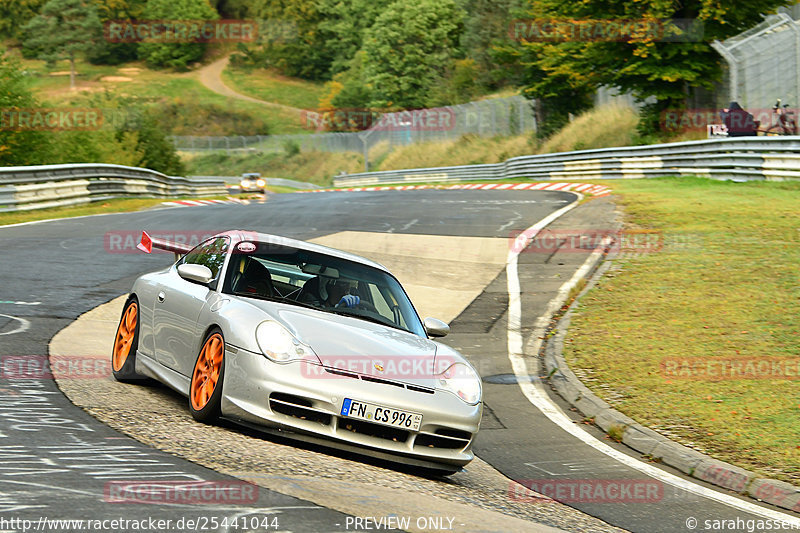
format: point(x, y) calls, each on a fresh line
point(197, 273)
point(435, 327)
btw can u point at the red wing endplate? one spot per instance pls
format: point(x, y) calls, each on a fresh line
point(148, 243)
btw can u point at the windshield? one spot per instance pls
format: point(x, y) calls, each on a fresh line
point(319, 281)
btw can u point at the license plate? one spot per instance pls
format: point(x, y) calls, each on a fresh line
point(381, 415)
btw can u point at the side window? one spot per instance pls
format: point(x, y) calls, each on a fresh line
point(210, 254)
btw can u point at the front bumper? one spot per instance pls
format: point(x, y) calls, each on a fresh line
point(303, 397)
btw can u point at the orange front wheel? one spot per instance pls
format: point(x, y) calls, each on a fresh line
point(205, 388)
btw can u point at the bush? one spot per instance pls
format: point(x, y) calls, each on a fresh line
point(106, 53)
point(157, 151)
point(175, 55)
point(292, 148)
point(18, 147)
point(179, 117)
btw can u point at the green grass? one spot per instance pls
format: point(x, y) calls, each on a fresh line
point(154, 86)
point(110, 206)
point(314, 167)
point(467, 150)
point(119, 205)
point(606, 126)
point(270, 86)
point(726, 284)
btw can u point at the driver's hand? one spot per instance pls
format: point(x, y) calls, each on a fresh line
point(349, 300)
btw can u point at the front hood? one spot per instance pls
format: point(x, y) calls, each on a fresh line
point(363, 347)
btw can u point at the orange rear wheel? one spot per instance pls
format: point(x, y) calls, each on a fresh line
point(125, 335)
point(126, 342)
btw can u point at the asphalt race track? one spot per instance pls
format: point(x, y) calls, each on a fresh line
point(57, 460)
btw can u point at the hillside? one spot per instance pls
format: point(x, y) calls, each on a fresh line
point(189, 107)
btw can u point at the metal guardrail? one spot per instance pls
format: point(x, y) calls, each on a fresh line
point(740, 159)
point(43, 186)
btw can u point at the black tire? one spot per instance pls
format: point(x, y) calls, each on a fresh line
point(123, 353)
point(205, 407)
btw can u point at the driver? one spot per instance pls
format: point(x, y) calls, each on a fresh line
point(329, 292)
point(339, 292)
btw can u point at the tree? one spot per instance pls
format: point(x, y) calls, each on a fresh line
point(17, 147)
point(107, 52)
point(354, 91)
point(461, 85)
point(347, 91)
point(343, 26)
point(176, 55)
point(408, 48)
point(65, 29)
point(14, 14)
point(485, 27)
point(555, 89)
point(648, 65)
point(232, 9)
point(289, 39)
point(158, 152)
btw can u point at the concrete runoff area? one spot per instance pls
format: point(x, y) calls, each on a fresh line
point(442, 274)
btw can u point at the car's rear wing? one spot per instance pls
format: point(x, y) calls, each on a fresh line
point(148, 243)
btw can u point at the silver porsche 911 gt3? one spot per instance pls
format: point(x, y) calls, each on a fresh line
point(280, 334)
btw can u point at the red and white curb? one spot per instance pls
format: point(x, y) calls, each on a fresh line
point(192, 203)
point(585, 188)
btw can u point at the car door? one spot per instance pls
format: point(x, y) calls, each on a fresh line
point(178, 304)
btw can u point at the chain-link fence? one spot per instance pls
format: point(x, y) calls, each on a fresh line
point(494, 116)
point(764, 63)
point(324, 142)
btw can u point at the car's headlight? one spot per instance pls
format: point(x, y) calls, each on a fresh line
point(261, 183)
point(462, 380)
point(281, 346)
point(245, 184)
